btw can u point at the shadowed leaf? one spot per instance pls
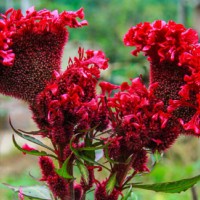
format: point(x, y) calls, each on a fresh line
point(36, 192)
point(170, 187)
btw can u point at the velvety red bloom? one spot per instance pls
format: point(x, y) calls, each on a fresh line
point(139, 165)
point(47, 167)
point(78, 191)
point(139, 121)
point(57, 184)
point(174, 65)
point(101, 194)
point(69, 103)
point(161, 41)
point(32, 45)
point(164, 45)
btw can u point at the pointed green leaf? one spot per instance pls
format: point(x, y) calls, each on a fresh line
point(36, 192)
point(32, 132)
point(31, 139)
point(127, 195)
point(63, 170)
point(156, 157)
point(170, 187)
point(111, 183)
point(92, 148)
point(130, 195)
point(90, 157)
point(32, 152)
point(84, 171)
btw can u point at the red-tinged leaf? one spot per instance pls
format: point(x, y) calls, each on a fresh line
point(29, 138)
point(170, 187)
point(33, 152)
point(36, 191)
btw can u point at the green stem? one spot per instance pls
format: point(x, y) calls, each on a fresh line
point(122, 174)
point(71, 183)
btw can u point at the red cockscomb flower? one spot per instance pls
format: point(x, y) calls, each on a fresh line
point(139, 121)
point(169, 48)
point(57, 184)
point(31, 46)
point(163, 43)
point(69, 103)
point(101, 193)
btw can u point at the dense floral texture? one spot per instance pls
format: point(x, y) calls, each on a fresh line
point(169, 48)
point(101, 193)
point(57, 184)
point(139, 122)
point(69, 104)
point(126, 122)
point(30, 49)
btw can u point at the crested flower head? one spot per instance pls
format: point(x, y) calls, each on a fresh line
point(101, 193)
point(139, 122)
point(161, 41)
point(69, 103)
point(31, 46)
point(173, 53)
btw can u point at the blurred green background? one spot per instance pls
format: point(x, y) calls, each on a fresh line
point(108, 21)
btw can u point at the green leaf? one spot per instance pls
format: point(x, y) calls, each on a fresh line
point(170, 187)
point(63, 170)
point(29, 138)
point(32, 152)
point(84, 171)
point(90, 157)
point(128, 194)
point(111, 184)
point(32, 132)
point(156, 157)
point(36, 192)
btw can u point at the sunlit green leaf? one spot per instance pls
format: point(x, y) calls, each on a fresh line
point(170, 187)
point(63, 170)
point(84, 171)
point(90, 157)
point(111, 183)
point(128, 194)
point(36, 192)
